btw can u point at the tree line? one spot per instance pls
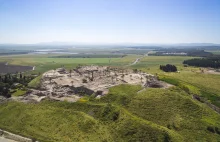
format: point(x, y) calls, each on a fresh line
point(176, 52)
point(7, 82)
point(213, 62)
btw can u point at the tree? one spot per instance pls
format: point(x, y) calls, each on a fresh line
point(135, 70)
point(5, 79)
point(168, 68)
point(213, 62)
point(20, 75)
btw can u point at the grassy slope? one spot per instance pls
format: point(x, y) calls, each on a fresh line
point(177, 111)
point(151, 115)
point(207, 83)
point(35, 83)
point(18, 93)
point(61, 121)
point(172, 108)
point(51, 122)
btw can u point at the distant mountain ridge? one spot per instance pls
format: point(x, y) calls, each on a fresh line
point(110, 45)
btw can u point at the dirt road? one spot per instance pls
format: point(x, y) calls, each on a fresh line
point(135, 62)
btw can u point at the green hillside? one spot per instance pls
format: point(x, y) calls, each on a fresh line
point(125, 114)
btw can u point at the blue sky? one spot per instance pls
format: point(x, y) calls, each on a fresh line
point(110, 21)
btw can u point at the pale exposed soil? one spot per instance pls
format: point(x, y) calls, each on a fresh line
point(209, 71)
point(212, 72)
point(2, 139)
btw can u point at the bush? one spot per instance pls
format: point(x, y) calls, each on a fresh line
point(217, 130)
point(211, 129)
point(168, 68)
point(110, 113)
point(135, 70)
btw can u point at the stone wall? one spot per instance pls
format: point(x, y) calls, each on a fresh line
point(82, 90)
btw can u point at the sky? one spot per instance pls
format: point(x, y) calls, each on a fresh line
point(110, 21)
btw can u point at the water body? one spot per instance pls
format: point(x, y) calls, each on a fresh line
point(51, 51)
point(46, 52)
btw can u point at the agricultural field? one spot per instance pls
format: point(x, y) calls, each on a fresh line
point(215, 52)
point(151, 63)
point(44, 63)
point(5, 68)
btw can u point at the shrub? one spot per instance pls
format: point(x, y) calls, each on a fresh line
point(217, 130)
point(211, 129)
point(110, 113)
point(135, 70)
point(168, 68)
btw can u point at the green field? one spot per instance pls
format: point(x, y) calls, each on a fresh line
point(151, 63)
point(43, 63)
point(215, 52)
point(123, 115)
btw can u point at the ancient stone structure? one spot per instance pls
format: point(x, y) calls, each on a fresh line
point(71, 85)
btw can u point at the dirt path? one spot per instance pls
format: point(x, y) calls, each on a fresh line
point(2, 139)
point(136, 61)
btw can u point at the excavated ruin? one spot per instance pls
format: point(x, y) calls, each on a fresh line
point(71, 85)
